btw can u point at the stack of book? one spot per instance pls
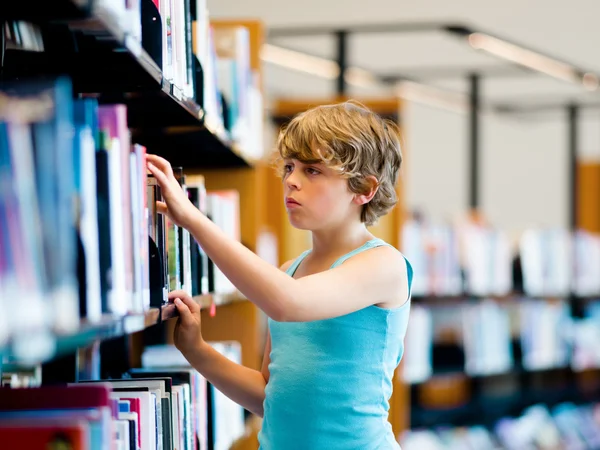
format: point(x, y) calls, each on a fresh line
point(433, 251)
point(451, 261)
point(201, 62)
point(164, 405)
point(81, 237)
point(566, 426)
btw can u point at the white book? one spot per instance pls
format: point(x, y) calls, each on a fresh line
point(144, 250)
point(136, 202)
point(187, 410)
point(89, 225)
point(418, 346)
point(187, 262)
point(176, 417)
point(532, 263)
point(501, 273)
point(130, 416)
point(147, 416)
point(166, 17)
point(158, 388)
point(228, 416)
point(118, 297)
point(560, 262)
point(178, 31)
point(478, 260)
point(122, 434)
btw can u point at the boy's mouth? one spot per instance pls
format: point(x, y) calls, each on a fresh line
point(289, 201)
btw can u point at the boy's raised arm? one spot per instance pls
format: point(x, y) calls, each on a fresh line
point(373, 277)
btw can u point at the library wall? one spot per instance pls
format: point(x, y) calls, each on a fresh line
point(523, 167)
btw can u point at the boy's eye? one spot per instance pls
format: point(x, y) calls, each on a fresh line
point(287, 168)
point(312, 171)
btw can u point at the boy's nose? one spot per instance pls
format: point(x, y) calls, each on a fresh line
point(292, 181)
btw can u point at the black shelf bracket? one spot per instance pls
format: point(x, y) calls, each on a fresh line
point(474, 142)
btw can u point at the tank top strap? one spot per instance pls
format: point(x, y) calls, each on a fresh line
point(292, 269)
point(409, 273)
point(366, 246)
point(372, 244)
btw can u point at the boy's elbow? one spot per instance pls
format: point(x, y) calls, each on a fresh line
point(283, 311)
point(278, 315)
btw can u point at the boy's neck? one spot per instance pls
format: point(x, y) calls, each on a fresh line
point(340, 240)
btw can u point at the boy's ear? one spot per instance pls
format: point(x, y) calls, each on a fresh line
point(371, 185)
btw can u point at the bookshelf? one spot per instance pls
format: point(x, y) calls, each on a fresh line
point(539, 327)
point(105, 63)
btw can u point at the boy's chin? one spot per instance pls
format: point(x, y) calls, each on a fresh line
point(301, 224)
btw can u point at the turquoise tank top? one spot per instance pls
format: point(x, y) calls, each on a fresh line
point(331, 380)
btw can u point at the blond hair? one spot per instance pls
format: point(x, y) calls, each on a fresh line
point(354, 140)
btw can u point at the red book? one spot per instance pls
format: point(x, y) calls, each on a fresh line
point(37, 436)
point(55, 397)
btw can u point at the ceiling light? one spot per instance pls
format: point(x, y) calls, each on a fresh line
point(301, 62)
point(355, 76)
point(361, 78)
point(532, 60)
point(431, 96)
point(590, 81)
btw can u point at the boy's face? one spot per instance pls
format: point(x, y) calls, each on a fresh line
point(316, 196)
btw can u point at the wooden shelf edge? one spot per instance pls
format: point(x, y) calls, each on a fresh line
point(205, 301)
point(109, 327)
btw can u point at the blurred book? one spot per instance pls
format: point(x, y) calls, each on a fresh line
point(39, 188)
point(565, 426)
point(418, 345)
point(433, 255)
point(199, 261)
point(223, 208)
point(546, 259)
point(584, 339)
point(487, 260)
point(586, 264)
point(487, 338)
point(544, 328)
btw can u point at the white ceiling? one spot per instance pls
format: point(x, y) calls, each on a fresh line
point(564, 29)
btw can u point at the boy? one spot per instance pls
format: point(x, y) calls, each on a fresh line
point(337, 314)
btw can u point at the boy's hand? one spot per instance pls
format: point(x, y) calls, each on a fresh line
point(176, 205)
point(188, 334)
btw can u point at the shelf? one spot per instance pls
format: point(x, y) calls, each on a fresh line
point(110, 327)
point(191, 148)
point(441, 300)
point(43, 10)
point(104, 62)
point(515, 371)
point(205, 301)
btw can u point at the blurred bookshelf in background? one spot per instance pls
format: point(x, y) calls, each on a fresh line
point(503, 335)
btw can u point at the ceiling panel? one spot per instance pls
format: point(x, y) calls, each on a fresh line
point(390, 52)
point(322, 46)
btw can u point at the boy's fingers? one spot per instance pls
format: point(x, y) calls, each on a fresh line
point(186, 299)
point(191, 304)
point(179, 293)
point(184, 312)
point(161, 207)
point(161, 163)
point(159, 174)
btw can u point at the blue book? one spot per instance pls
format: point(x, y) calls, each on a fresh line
point(48, 108)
